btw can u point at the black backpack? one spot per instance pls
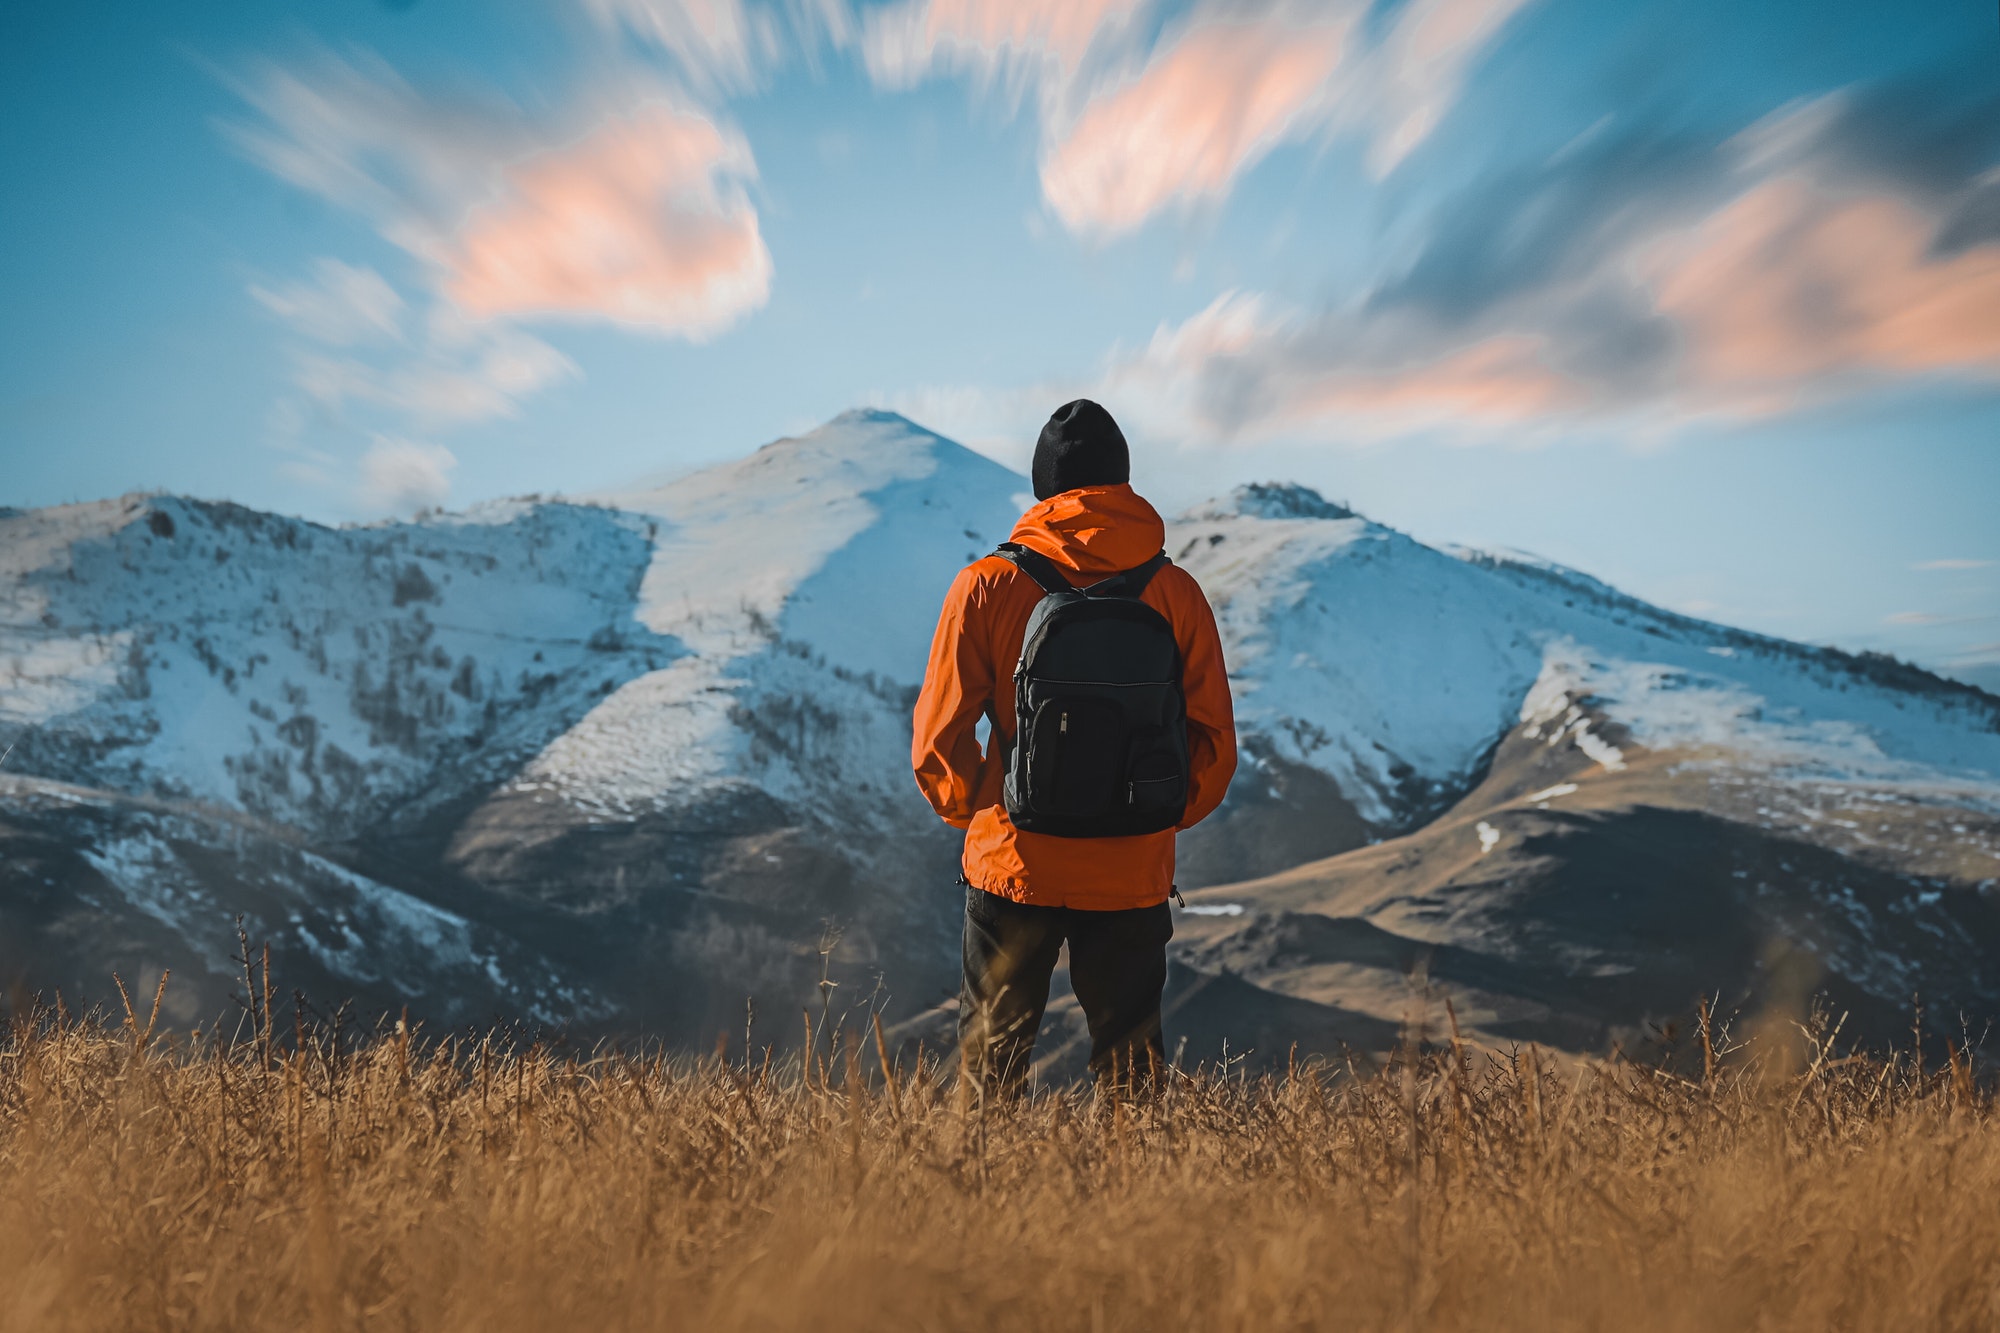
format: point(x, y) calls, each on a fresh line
point(1100, 740)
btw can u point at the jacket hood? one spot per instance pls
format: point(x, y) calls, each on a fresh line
point(1093, 529)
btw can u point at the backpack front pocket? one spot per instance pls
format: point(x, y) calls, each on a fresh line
point(1155, 776)
point(1075, 757)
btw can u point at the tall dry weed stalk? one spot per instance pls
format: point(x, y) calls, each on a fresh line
point(153, 1180)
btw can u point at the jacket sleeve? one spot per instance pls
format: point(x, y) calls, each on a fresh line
point(958, 685)
point(1211, 718)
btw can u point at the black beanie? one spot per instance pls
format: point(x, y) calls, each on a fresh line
point(1080, 446)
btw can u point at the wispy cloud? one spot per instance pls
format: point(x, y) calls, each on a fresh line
point(717, 42)
point(1797, 285)
point(404, 475)
point(1641, 280)
point(464, 372)
point(625, 204)
point(640, 224)
point(1930, 565)
point(1132, 129)
point(728, 46)
point(627, 207)
point(1210, 104)
point(343, 304)
point(1015, 42)
point(1419, 72)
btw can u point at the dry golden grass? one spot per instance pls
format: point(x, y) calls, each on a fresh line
point(287, 1182)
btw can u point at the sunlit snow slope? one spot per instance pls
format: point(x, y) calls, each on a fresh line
point(1394, 668)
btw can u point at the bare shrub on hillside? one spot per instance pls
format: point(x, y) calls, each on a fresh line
point(293, 1179)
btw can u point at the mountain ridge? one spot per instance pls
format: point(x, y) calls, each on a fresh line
point(694, 765)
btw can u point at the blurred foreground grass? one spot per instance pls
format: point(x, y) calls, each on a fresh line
point(290, 1180)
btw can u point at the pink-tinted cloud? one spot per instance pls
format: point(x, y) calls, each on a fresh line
point(640, 223)
point(626, 207)
point(1244, 369)
point(1498, 380)
point(1796, 274)
point(1131, 131)
point(1208, 106)
point(1218, 94)
point(1795, 288)
point(621, 205)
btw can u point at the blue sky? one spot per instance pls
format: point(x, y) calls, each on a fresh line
point(1703, 298)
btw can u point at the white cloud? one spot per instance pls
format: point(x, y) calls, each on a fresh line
point(1420, 70)
point(403, 475)
point(1014, 42)
point(474, 373)
point(718, 43)
point(1929, 565)
point(342, 305)
point(728, 45)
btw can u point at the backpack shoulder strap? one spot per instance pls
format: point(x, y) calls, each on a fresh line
point(1035, 565)
point(1131, 583)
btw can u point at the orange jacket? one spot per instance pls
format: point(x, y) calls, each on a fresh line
point(1092, 532)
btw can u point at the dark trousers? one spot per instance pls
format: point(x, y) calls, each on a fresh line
point(1117, 963)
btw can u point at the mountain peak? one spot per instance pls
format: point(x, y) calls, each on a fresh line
point(874, 416)
point(1271, 499)
point(858, 429)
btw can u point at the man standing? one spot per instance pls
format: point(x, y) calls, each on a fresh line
point(1097, 662)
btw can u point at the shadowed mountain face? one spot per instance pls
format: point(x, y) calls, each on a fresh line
point(1583, 908)
point(619, 765)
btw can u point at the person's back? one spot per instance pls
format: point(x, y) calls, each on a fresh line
point(1027, 892)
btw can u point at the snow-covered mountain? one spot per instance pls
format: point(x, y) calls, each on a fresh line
point(322, 679)
point(1394, 669)
point(657, 739)
point(620, 762)
point(1604, 810)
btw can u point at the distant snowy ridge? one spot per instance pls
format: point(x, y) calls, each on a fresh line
point(323, 678)
point(1395, 667)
